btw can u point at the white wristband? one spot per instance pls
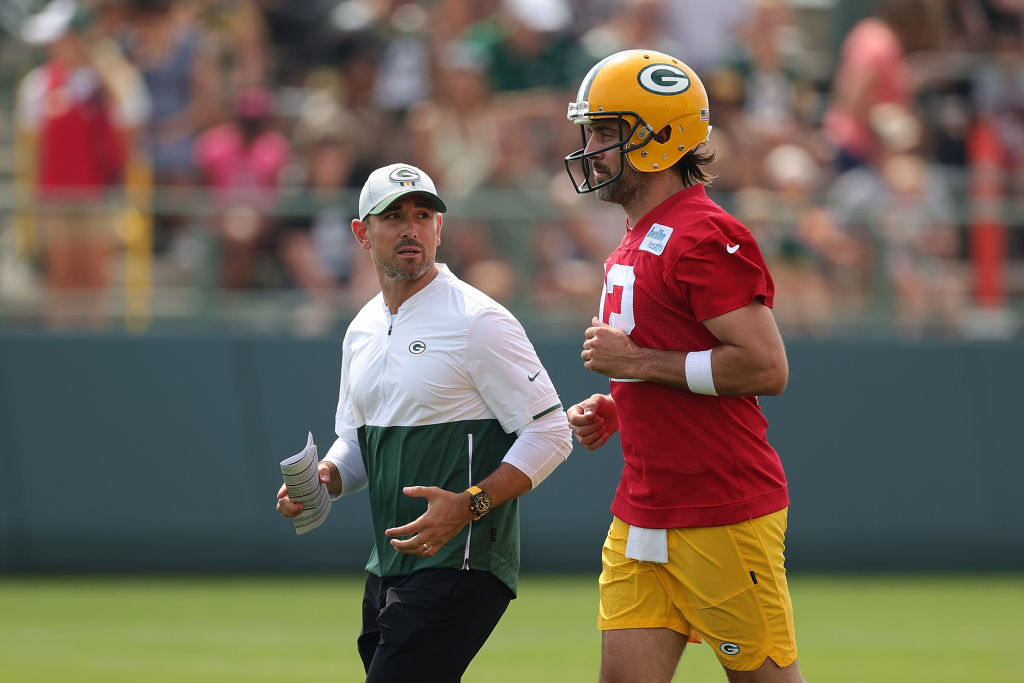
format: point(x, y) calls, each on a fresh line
point(698, 373)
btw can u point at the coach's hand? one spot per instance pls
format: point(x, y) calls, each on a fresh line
point(594, 420)
point(328, 474)
point(446, 514)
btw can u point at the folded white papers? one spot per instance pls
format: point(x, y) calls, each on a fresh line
point(304, 486)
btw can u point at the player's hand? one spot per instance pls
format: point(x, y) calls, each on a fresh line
point(328, 474)
point(446, 514)
point(608, 350)
point(594, 420)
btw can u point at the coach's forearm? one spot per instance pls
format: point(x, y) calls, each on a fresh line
point(344, 455)
point(503, 484)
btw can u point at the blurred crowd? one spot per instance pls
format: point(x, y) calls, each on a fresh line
point(160, 141)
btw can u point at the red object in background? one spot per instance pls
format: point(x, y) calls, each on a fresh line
point(80, 152)
point(987, 233)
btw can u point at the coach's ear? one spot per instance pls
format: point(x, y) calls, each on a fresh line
point(359, 230)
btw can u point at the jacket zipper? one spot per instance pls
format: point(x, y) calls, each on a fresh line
point(387, 358)
point(469, 534)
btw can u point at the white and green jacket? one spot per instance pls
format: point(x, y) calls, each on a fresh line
point(435, 395)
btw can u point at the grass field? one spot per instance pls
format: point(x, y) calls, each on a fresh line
point(850, 629)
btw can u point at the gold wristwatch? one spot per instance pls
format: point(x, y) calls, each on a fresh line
point(479, 502)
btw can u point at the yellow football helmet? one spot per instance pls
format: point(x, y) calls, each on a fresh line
point(661, 106)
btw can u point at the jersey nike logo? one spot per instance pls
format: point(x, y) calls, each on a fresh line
point(534, 377)
point(732, 248)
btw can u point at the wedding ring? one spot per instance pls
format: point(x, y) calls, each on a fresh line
point(426, 548)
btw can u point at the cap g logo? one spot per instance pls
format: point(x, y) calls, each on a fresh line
point(663, 79)
point(417, 347)
point(404, 176)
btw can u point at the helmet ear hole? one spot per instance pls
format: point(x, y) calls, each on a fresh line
point(663, 135)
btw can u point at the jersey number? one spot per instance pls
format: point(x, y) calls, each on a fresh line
point(619, 276)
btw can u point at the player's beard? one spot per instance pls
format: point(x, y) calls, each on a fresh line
point(625, 189)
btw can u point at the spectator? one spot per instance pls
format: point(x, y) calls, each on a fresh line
point(527, 46)
point(903, 206)
point(533, 59)
point(776, 89)
point(636, 22)
point(168, 46)
point(450, 18)
point(735, 165)
point(922, 245)
point(313, 241)
point(704, 33)
point(381, 134)
point(759, 96)
point(500, 254)
point(311, 244)
point(242, 161)
point(799, 240)
point(238, 36)
point(76, 122)
point(873, 69)
point(405, 59)
point(455, 133)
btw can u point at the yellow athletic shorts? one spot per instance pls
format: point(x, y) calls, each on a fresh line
point(725, 584)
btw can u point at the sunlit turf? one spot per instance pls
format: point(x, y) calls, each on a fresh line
point(875, 628)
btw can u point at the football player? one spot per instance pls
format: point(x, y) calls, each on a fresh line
point(686, 336)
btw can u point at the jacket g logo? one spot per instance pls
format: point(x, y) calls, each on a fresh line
point(663, 79)
point(417, 347)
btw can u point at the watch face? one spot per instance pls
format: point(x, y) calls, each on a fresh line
point(481, 503)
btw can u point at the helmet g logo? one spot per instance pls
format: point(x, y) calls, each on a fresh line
point(663, 79)
point(404, 176)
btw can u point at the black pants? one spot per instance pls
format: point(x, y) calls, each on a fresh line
point(429, 625)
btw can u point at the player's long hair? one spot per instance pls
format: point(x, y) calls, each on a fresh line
point(692, 166)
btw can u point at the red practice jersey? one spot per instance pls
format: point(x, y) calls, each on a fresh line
point(690, 459)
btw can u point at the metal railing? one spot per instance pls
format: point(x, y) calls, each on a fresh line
point(179, 288)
